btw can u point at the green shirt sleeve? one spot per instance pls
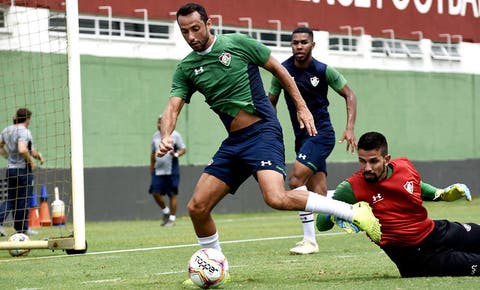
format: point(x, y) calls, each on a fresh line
point(335, 79)
point(180, 87)
point(275, 87)
point(344, 192)
point(253, 49)
point(428, 191)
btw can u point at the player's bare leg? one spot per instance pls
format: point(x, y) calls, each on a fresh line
point(159, 200)
point(208, 192)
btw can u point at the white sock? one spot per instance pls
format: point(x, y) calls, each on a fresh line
point(210, 242)
point(307, 219)
point(322, 204)
point(172, 218)
point(166, 210)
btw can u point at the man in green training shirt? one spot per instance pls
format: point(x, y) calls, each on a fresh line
point(225, 69)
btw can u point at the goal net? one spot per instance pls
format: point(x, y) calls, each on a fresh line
point(40, 70)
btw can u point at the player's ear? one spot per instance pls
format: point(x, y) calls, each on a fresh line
point(388, 157)
point(208, 24)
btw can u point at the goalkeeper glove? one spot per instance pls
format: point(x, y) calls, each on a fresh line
point(453, 192)
point(345, 225)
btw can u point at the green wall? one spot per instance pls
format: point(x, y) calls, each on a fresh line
point(122, 99)
point(426, 116)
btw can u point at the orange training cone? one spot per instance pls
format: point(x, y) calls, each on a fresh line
point(33, 215)
point(45, 219)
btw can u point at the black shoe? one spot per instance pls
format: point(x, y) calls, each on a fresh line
point(165, 219)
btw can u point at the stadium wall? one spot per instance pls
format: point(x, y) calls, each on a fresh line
point(426, 116)
point(431, 117)
point(122, 193)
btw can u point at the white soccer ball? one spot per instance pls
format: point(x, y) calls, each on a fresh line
point(208, 268)
point(18, 237)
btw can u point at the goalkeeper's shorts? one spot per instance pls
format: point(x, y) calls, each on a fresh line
point(451, 249)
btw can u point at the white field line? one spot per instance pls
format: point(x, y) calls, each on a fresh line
point(103, 281)
point(163, 248)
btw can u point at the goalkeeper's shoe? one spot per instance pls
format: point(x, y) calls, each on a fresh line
point(365, 220)
point(304, 247)
point(454, 192)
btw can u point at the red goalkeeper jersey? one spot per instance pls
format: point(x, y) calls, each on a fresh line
point(397, 203)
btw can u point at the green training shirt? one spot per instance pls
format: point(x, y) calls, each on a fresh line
point(227, 76)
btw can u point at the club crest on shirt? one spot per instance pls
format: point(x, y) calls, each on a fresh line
point(225, 58)
point(314, 81)
point(408, 186)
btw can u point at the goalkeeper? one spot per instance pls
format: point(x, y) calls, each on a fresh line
point(418, 245)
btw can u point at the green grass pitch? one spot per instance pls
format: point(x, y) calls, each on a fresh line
point(143, 255)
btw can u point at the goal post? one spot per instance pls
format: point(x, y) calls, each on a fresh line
point(76, 131)
point(41, 71)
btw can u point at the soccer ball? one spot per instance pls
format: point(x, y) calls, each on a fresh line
point(208, 268)
point(18, 237)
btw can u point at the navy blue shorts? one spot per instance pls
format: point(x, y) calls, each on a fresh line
point(313, 151)
point(248, 150)
point(165, 184)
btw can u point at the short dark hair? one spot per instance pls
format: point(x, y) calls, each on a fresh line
point(373, 141)
point(22, 115)
point(303, 29)
point(189, 8)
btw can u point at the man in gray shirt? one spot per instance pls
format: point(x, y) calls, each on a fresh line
point(16, 145)
point(165, 172)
